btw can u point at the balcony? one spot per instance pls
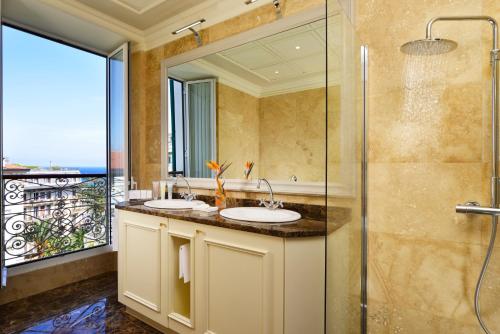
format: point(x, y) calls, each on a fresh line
point(47, 215)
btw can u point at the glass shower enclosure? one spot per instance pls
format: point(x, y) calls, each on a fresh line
point(346, 240)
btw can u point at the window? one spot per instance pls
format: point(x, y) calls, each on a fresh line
point(176, 126)
point(191, 126)
point(56, 94)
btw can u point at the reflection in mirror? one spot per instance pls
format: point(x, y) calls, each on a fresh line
point(191, 126)
point(263, 101)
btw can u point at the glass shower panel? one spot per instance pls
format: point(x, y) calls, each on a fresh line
point(345, 242)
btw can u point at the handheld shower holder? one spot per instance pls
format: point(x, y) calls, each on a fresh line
point(495, 55)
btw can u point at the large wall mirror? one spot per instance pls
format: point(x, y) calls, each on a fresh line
point(263, 101)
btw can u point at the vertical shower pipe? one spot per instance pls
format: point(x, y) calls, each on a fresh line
point(495, 54)
point(473, 207)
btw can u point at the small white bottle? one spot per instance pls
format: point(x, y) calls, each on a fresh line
point(163, 185)
point(170, 188)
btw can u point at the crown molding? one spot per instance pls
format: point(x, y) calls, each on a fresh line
point(91, 15)
point(229, 79)
point(140, 11)
point(301, 84)
point(214, 11)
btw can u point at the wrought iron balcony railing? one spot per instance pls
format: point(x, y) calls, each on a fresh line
point(46, 215)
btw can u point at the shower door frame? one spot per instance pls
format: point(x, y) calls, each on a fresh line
point(364, 192)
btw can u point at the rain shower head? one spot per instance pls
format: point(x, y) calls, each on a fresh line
point(428, 47)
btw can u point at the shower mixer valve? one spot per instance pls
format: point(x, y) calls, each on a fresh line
point(472, 207)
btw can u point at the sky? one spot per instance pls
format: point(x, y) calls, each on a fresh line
point(54, 103)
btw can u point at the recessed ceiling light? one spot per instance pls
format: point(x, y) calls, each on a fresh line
point(276, 72)
point(297, 47)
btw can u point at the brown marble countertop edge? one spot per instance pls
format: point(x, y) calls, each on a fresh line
point(302, 228)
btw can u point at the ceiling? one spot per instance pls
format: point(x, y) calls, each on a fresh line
point(289, 61)
point(141, 14)
point(41, 18)
point(102, 25)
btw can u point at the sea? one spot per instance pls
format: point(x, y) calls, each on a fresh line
point(84, 170)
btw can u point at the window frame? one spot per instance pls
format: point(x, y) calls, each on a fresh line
point(71, 255)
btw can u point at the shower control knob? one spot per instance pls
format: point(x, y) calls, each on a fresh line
point(472, 203)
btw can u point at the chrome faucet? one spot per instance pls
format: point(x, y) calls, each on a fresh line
point(271, 204)
point(189, 196)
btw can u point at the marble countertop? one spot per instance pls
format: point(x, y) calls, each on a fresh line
point(305, 227)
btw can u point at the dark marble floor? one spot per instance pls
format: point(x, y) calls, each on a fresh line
point(86, 307)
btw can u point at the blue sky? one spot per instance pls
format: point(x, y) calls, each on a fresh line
point(54, 102)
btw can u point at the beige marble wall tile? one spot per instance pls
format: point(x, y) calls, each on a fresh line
point(405, 128)
point(436, 278)
point(418, 200)
point(292, 135)
point(237, 130)
point(385, 319)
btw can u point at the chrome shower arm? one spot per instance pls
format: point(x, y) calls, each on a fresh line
point(489, 19)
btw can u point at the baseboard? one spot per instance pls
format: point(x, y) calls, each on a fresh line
point(37, 281)
point(148, 321)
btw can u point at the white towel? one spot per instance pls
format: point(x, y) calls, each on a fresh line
point(205, 208)
point(185, 263)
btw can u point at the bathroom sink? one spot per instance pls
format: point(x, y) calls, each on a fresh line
point(261, 215)
point(173, 204)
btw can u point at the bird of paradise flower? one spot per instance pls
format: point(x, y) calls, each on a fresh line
point(220, 192)
point(248, 169)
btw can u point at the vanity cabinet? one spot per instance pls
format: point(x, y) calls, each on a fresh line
point(240, 282)
point(241, 279)
point(142, 245)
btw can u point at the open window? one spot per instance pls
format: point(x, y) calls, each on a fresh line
point(118, 131)
point(192, 124)
point(65, 147)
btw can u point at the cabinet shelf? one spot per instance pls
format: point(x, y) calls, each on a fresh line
point(181, 294)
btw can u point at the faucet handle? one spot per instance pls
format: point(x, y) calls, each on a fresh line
point(188, 196)
point(276, 204)
point(262, 202)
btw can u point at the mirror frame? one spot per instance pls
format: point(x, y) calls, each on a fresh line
point(347, 169)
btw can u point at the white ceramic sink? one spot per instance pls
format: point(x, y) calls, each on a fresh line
point(173, 204)
point(260, 214)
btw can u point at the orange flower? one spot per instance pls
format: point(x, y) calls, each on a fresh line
point(248, 169)
point(213, 165)
point(220, 193)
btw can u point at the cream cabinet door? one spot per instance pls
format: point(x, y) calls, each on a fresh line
point(141, 269)
point(242, 282)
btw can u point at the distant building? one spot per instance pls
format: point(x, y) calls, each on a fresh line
point(9, 169)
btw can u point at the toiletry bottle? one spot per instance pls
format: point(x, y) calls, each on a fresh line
point(163, 185)
point(170, 187)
